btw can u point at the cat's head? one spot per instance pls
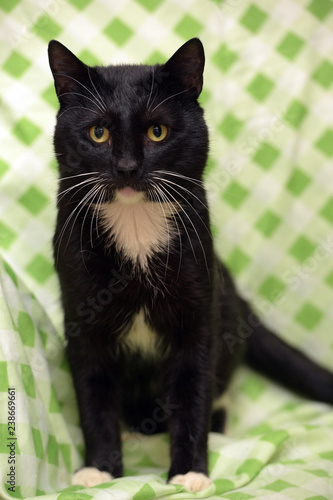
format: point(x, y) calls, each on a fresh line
point(130, 125)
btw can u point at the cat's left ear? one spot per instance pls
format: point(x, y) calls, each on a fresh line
point(68, 71)
point(186, 66)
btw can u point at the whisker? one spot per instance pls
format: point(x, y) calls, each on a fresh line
point(181, 176)
point(165, 199)
point(82, 184)
point(168, 229)
point(186, 191)
point(151, 89)
point(101, 100)
point(194, 228)
point(100, 104)
point(86, 97)
point(77, 175)
point(96, 212)
point(170, 97)
point(93, 196)
point(165, 190)
point(79, 207)
point(78, 107)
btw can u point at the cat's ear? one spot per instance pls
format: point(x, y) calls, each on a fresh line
point(68, 71)
point(186, 66)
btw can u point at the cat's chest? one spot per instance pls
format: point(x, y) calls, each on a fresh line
point(139, 229)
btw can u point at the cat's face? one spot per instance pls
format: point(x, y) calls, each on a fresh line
point(130, 125)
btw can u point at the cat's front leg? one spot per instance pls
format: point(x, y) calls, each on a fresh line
point(189, 392)
point(96, 379)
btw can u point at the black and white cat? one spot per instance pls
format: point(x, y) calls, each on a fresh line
point(146, 301)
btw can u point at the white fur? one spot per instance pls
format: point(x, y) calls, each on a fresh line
point(90, 476)
point(141, 337)
point(193, 481)
point(138, 227)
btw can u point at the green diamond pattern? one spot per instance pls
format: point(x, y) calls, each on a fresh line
point(320, 8)
point(290, 46)
point(260, 87)
point(230, 127)
point(26, 131)
point(118, 32)
point(4, 167)
point(237, 261)
point(188, 27)
point(33, 200)
point(268, 223)
point(327, 211)
point(266, 156)
point(253, 388)
point(324, 74)
point(298, 182)
point(16, 65)
point(329, 279)
point(8, 5)
point(235, 195)
point(80, 4)
point(309, 316)
point(295, 114)
point(325, 143)
point(272, 288)
point(89, 58)
point(224, 58)
point(302, 249)
point(46, 28)
point(40, 268)
point(50, 97)
point(150, 5)
point(253, 18)
point(7, 236)
point(267, 100)
point(278, 485)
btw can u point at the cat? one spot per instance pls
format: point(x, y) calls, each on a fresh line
point(146, 301)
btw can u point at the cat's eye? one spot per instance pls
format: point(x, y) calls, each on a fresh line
point(99, 133)
point(157, 133)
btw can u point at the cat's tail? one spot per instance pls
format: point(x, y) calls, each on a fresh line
point(273, 357)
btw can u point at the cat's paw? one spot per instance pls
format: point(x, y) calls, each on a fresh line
point(90, 476)
point(193, 481)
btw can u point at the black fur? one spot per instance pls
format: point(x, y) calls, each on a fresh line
point(188, 296)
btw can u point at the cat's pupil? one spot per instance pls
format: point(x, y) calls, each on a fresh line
point(157, 131)
point(99, 131)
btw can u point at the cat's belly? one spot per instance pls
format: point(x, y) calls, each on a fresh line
point(141, 338)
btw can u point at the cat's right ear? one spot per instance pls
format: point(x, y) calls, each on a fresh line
point(186, 66)
point(68, 71)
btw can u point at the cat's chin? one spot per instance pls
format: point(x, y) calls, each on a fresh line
point(129, 195)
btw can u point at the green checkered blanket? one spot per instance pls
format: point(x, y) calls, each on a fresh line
point(268, 101)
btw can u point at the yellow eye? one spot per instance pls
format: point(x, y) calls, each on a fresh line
point(157, 133)
point(99, 133)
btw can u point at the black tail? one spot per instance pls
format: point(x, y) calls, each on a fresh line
point(270, 355)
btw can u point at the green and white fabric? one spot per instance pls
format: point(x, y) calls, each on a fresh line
point(269, 105)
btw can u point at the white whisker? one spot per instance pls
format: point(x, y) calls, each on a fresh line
point(193, 226)
point(100, 105)
point(151, 89)
point(86, 97)
point(170, 97)
point(99, 95)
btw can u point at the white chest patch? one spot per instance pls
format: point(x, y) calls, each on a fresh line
point(141, 337)
point(138, 227)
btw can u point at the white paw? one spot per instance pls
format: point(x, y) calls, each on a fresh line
point(193, 481)
point(90, 476)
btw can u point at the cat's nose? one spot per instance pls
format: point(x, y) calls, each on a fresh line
point(127, 166)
